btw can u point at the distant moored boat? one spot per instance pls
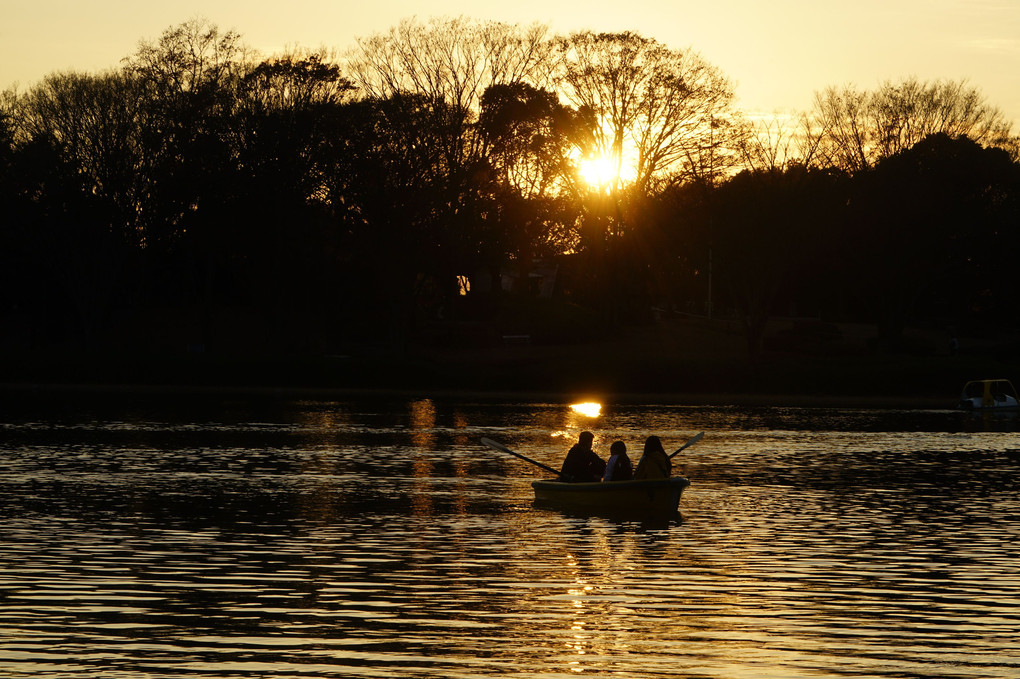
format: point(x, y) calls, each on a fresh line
point(988, 395)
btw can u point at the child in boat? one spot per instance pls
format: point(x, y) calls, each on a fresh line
point(581, 463)
point(618, 468)
point(655, 463)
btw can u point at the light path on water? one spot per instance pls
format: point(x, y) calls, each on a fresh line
point(222, 537)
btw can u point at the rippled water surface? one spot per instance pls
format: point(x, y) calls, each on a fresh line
point(209, 537)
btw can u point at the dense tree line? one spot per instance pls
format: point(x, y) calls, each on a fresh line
point(312, 199)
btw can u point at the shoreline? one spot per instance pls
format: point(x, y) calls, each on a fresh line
point(691, 399)
point(680, 362)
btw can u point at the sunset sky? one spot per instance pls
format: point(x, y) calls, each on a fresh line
point(777, 53)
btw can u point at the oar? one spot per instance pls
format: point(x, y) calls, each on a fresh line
point(694, 439)
point(503, 449)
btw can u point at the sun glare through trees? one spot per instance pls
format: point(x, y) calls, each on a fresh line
point(603, 173)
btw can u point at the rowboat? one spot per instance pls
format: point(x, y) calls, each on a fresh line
point(648, 498)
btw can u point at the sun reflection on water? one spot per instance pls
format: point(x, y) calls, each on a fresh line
point(588, 409)
point(578, 418)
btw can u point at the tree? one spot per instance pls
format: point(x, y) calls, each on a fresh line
point(932, 228)
point(193, 60)
point(403, 213)
point(446, 66)
point(660, 116)
point(779, 142)
point(768, 227)
point(530, 138)
point(94, 196)
point(856, 128)
point(15, 271)
point(453, 60)
point(276, 212)
point(189, 78)
point(657, 108)
point(294, 82)
point(93, 122)
point(8, 106)
point(451, 63)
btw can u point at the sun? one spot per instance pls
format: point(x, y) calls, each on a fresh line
point(603, 172)
point(597, 171)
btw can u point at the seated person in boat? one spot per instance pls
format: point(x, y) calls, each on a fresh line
point(581, 463)
point(654, 463)
point(618, 468)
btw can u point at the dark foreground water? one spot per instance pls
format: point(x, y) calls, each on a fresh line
point(215, 537)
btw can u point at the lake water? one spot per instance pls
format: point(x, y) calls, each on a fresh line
point(224, 536)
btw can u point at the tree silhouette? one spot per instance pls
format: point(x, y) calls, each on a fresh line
point(399, 202)
point(767, 228)
point(855, 128)
point(328, 200)
point(663, 105)
point(453, 60)
point(86, 125)
point(530, 139)
point(930, 225)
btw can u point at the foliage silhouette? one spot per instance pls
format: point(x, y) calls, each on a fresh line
point(306, 204)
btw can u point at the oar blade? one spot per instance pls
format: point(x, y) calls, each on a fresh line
point(495, 445)
point(694, 439)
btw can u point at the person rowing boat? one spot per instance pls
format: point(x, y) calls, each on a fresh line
point(582, 464)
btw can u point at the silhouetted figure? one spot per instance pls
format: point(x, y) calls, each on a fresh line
point(654, 463)
point(618, 467)
point(581, 463)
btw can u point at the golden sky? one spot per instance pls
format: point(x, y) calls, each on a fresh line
point(778, 53)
